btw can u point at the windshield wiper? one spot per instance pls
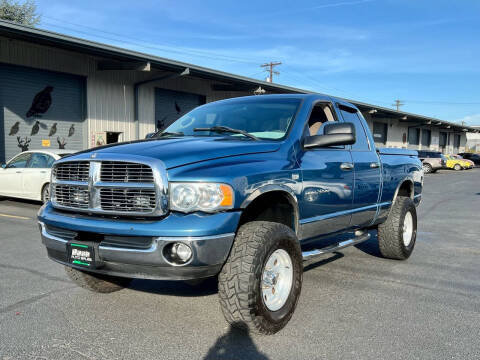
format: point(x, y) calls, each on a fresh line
point(225, 129)
point(166, 133)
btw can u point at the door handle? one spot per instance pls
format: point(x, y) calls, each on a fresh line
point(346, 166)
point(18, 172)
point(374, 165)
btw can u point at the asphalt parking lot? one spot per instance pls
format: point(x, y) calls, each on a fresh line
point(354, 304)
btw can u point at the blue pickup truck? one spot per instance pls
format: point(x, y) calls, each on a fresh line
point(244, 189)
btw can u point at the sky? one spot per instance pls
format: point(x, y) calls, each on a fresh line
point(423, 52)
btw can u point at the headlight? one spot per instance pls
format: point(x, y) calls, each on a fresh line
point(208, 197)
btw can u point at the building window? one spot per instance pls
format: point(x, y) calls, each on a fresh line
point(426, 137)
point(380, 133)
point(442, 141)
point(456, 141)
point(414, 136)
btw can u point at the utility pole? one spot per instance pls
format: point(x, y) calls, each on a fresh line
point(397, 104)
point(269, 68)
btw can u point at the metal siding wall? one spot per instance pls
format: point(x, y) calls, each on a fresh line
point(20, 86)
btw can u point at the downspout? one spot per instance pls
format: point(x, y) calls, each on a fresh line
point(137, 85)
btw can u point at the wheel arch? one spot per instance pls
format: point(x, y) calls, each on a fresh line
point(272, 194)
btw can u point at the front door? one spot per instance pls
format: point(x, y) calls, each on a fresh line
point(327, 194)
point(11, 177)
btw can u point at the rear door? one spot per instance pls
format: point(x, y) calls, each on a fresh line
point(11, 177)
point(367, 167)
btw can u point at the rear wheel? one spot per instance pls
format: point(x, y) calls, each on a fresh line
point(96, 282)
point(260, 283)
point(427, 168)
point(397, 235)
point(45, 193)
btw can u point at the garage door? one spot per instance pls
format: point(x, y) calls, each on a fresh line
point(170, 105)
point(40, 110)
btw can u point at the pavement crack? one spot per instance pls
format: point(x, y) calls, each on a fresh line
point(35, 272)
point(31, 300)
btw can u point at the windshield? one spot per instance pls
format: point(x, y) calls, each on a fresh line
point(265, 119)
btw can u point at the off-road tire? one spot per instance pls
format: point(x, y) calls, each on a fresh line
point(44, 195)
point(239, 282)
point(457, 167)
point(96, 282)
point(390, 233)
point(427, 168)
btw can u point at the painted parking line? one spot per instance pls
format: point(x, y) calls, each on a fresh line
point(15, 217)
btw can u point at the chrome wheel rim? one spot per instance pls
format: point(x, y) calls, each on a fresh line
point(46, 193)
point(277, 280)
point(407, 229)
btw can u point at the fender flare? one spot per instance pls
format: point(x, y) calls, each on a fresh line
point(290, 195)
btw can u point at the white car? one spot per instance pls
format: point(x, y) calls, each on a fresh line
point(27, 175)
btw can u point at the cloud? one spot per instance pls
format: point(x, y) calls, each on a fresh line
point(470, 119)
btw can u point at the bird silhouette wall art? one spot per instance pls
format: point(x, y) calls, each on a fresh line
point(41, 102)
point(71, 131)
point(35, 128)
point(53, 130)
point(14, 129)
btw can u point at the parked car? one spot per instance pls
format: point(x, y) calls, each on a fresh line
point(471, 156)
point(431, 160)
point(470, 163)
point(235, 188)
point(27, 175)
point(456, 164)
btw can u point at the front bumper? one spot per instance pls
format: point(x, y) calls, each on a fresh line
point(116, 242)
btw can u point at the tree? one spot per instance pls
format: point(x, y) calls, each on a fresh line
point(24, 13)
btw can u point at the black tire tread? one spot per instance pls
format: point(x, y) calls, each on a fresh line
point(389, 239)
point(96, 283)
point(237, 280)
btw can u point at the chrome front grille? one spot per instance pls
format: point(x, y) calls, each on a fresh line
point(72, 196)
point(116, 171)
point(72, 171)
point(110, 186)
point(127, 200)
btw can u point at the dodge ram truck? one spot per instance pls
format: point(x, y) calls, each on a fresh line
point(243, 189)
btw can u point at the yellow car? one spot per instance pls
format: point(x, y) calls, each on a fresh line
point(456, 164)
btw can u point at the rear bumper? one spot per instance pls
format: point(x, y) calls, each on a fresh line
point(123, 256)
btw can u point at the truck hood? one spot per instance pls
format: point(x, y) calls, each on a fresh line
point(176, 152)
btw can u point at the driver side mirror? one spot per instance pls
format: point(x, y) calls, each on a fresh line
point(334, 134)
point(4, 166)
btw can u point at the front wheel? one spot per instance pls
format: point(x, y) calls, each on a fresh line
point(397, 235)
point(45, 193)
point(260, 283)
point(457, 167)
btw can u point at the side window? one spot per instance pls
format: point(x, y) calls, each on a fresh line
point(20, 161)
point(361, 142)
point(321, 114)
point(40, 161)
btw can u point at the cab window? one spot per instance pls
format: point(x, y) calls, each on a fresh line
point(20, 161)
point(361, 142)
point(320, 115)
point(41, 161)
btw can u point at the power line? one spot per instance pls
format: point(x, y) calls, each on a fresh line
point(269, 67)
point(137, 42)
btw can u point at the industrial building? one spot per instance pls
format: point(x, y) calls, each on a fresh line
point(59, 91)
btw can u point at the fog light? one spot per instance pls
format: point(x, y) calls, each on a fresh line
point(177, 253)
point(182, 251)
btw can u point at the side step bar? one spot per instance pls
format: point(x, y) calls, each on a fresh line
point(332, 248)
